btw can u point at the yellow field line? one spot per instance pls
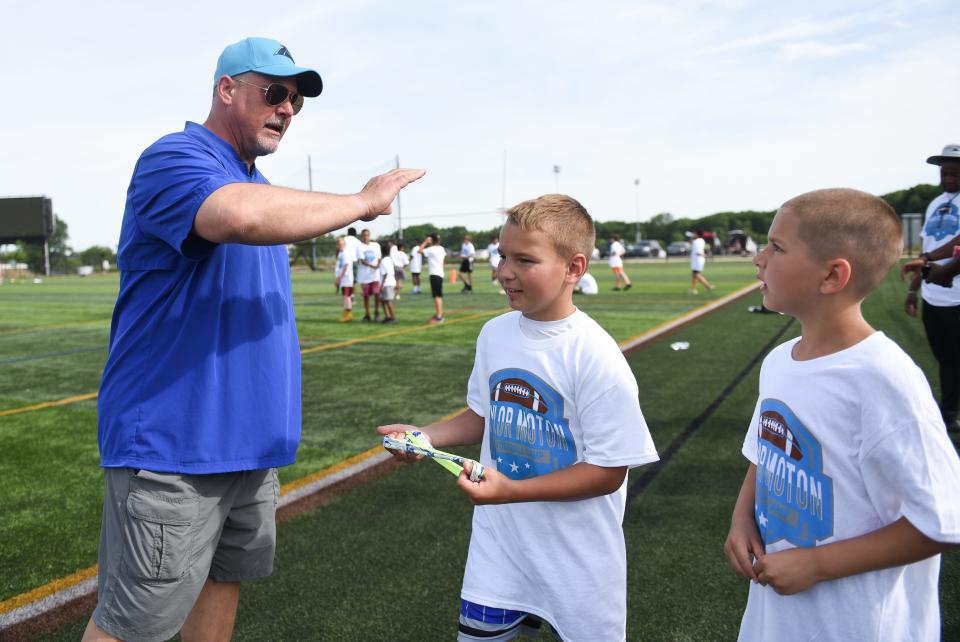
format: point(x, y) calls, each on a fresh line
point(329, 346)
point(47, 590)
point(48, 404)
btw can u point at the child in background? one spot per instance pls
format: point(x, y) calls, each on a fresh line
point(343, 279)
point(388, 284)
point(435, 255)
point(368, 274)
point(467, 252)
point(400, 262)
point(493, 253)
point(416, 265)
point(615, 261)
point(851, 491)
point(554, 404)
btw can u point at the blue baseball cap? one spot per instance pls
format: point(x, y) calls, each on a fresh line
point(267, 57)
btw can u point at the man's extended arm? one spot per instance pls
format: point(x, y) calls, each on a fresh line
point(256, 214)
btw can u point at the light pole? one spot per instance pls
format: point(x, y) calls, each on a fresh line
point(556, 176)
point(636, 195)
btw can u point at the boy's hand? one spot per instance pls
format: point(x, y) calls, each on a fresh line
point(787, 572)
point(742, 546)
point(493, 488)
point(912, 268)
point(399, 431)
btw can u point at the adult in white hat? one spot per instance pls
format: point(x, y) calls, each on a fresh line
point(941, 301)
point(200, 397)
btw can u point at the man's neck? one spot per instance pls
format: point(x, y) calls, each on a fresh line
point(222, 130)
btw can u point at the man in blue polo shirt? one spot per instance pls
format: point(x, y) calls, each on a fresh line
point(200, 396)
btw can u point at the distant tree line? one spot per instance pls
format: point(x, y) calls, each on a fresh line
point(662, 227)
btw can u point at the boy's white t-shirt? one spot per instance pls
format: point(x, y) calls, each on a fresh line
point(388, 278)
point(435, 254)
point(416, 260)
point(697, 254)
point(369, 252)
point(343, 260)
point(401, 260)
point(616, 251)
point(554, 394)
point(941, 224)
point(844, 445)
point(467, 250)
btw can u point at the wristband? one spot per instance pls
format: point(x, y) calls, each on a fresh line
point(925, 256)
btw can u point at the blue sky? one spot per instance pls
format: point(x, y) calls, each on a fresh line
point(712, 106)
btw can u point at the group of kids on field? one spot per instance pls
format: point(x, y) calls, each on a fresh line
point(381, 271)
point(850, 493)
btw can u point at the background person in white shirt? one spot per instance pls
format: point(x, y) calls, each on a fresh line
point(388, 284)
point(416, 265)
point(435, 255)
point(493, 253)
point(368, 273)
point(467, 252)
point(615, 261)
point(698, 259)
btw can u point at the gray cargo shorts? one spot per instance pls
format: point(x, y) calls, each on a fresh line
point(164, 534)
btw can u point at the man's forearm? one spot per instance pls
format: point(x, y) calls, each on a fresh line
point(256, 214)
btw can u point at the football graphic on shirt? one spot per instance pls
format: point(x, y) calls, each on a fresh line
point(773, 428)
point(519, 392)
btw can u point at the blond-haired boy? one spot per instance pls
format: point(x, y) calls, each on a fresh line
point(850, 495)
point(554, 405)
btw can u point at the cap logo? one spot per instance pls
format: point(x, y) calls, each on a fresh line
point(282, 51)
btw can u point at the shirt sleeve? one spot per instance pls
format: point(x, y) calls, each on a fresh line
point(478, 390)
point(749, 449)
point(615, 432)
point(172, 181)
point(913, 472)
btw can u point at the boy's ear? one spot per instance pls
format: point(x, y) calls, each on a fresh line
point(576, 267)
point(837, 278)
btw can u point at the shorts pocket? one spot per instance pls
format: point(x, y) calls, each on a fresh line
point(162, 513)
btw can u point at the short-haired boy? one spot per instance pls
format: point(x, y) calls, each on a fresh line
point(850, 495)
point(554, 405)
point(368, 274)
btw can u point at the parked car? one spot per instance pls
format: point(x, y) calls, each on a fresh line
point(678, 248)
point(646, 249)
point(739, 242)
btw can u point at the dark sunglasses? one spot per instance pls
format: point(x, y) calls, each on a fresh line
point(275, 93)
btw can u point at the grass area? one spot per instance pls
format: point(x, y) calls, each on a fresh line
point(53, 339)
point(354, 569)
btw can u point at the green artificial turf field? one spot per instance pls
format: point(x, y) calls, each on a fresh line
point(345, 571)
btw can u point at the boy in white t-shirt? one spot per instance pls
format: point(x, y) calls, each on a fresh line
point(554, 405)
point(467, 253)
point(368, 274)
point(388, 283)
point(343, 278)
point(615, 261)
point(435, 255)
point(851, 492)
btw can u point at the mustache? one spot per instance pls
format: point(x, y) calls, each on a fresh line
point(279, 122)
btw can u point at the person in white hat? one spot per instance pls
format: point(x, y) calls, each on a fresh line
point(941, 294)
point(199, 401)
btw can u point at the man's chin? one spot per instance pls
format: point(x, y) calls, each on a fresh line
point(267, 146)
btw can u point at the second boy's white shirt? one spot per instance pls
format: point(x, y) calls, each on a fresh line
point(435, 254)
point(863, 424)
point(938, 229)
point(565, 560)
point(369, 252)
point(493, 252)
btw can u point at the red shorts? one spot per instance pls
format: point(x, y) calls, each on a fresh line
point(371, 289)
